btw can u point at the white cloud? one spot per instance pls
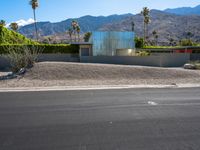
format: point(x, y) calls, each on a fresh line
point(22, 22)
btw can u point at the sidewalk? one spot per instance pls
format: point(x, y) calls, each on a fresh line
point(93, 87)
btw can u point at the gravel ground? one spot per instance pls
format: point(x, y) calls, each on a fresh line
point(78, 74)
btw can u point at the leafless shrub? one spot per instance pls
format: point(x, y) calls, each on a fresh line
point(22, 56)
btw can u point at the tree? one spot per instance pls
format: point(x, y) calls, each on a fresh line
point(87, 36)
point(189, 35)
point(78, 30)
point(155, 35)
point(70, 32)
point(75, 29)
point(14, 26)
point(35, 4)
point(139, 42)
point(2, 23)
point(74, 25)
point(171, 41)
point(146, 21)
point(133, 26)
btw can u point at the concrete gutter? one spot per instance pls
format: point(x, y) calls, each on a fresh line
point(94, 87)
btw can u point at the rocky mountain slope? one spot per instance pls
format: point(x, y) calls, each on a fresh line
point(87, 23)
point(185, 10)
point(168, 26)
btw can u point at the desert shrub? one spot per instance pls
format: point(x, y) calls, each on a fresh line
point(196, 63)
point(21, 56)
point(187, 42)
point(143, 53)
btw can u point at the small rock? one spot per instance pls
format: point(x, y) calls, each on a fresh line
point(189, 66)
point(22, 71)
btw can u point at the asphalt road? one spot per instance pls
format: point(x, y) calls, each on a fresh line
point(128, 119)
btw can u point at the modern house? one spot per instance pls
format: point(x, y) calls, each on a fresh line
point(112, 47)
point(110, 43)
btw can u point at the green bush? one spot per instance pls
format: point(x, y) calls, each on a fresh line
point(47, 48)
point(11, 37)
point(139, 42)
point(143, 53)
point(187, 42)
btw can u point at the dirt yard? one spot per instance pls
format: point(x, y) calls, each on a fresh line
point(77, 74)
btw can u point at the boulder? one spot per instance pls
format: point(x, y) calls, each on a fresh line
point(189, 66)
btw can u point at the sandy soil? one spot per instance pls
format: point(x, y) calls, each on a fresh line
point(77, 74)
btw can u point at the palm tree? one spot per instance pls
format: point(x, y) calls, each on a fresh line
point(145, 13)
point(133, 26)
point(70, 31)
point(171, 41)
point(147, 21)
point(78, 30)
point(35, 4)
point(14, 26)
point(2, 23)
point(87, 36)
point(189, 35)
point(74, 25)
point(155, 35)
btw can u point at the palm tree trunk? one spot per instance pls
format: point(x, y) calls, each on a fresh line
point(147, 33)
point(36, 31)
point(144, 32)
point(147, 36)
point(70, 38)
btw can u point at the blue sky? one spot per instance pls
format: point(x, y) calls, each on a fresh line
point(58, 10)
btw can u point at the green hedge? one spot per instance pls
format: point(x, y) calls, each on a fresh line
point(48, 48)
point(11, 37)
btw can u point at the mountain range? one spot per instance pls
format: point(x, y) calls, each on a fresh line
point(87, 23)
point(169, 24)
point(185, 10)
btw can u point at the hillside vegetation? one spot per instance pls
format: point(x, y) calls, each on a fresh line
point(10, 37)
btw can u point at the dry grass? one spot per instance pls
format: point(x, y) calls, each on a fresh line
point(75, 74)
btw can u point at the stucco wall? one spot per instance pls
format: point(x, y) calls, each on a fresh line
point(162, 60)
point(195, 57)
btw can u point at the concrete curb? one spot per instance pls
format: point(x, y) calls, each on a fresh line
point(94, 87)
